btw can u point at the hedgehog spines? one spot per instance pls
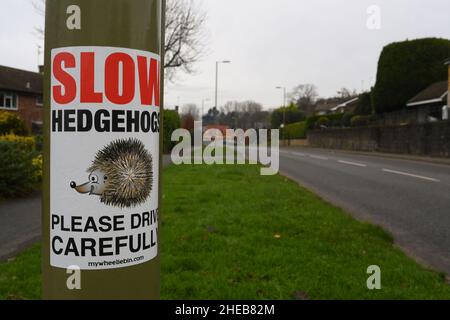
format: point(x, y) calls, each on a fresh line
point(129, 169)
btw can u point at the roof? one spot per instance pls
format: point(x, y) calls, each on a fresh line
point(346, 104)
point(324, 106)
point(20, 80)
point(432, 94)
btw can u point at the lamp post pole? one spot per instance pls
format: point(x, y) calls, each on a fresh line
point(96, 243)
point(217, 79)
point(284, 107)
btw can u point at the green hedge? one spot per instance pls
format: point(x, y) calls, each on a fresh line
point(20, 166)
point(406, 68)
point(171, 122)
point(296, 130)
point(292, 114)
point(334, 120)
point(10, 122)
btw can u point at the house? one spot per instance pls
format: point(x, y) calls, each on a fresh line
point(347, 106)
point(429, 103)
point(327, 106)
point(324, 107)
point(210, 131)
point(21, 92)
point(432, 103)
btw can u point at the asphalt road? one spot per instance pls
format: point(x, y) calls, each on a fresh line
point(410, 199)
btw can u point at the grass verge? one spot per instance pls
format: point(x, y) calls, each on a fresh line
point(229, 233)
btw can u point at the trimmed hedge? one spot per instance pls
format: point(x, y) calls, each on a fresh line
point(360, 121)
point(11, 123)
point(406, 68)
point(296, 130)
point(364, 104)
point(334, 120)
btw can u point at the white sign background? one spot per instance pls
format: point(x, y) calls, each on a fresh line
point(71, 154)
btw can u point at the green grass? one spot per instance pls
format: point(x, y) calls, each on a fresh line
point(219, 228)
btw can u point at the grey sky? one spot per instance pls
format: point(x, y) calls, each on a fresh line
point(270, 43)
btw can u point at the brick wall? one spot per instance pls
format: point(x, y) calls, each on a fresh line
point(430, 139)
point(28, 109)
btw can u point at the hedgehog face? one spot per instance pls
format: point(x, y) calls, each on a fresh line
point(121, 174)
point(96, 185)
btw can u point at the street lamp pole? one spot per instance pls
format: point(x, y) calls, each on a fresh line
point(284, 109)
point(217, 79)
point(284, 104)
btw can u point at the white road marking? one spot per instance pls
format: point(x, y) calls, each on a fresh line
point(318, 157)
point(353, 163)
point(298, 154)
point(410, 175)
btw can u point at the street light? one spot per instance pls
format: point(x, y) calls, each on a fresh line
point(217, 77)
point(284, 107)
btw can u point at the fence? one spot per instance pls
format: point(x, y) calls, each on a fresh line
point(429, 139)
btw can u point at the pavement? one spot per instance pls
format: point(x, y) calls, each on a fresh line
point(20, 223)
point(408, 198)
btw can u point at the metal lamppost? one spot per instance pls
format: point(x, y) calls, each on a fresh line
point(217, 77)
point(284, 107)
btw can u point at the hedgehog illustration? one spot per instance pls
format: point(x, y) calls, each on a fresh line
point(121, 174)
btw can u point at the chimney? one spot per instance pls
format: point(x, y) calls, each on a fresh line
point(41, 69)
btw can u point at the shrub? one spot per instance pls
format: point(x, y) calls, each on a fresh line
point(171, 122)
point(17, 171)
point(296, 130)
point(405, 68)
point(38, 165)
point(11, 123)
point(293, 115)
point(28, 143)
point(346, 120)
point(322, 122)
point(360, 121)
point(335, 119)
point(364, 104)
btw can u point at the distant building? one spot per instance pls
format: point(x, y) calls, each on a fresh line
point(429, 102)
point(324, 108)
point(210, 131)
point(21, 92)
point(333, 105)
point(347, 106)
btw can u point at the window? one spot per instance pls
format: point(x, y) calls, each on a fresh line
point(39, 101)
point(8, 100)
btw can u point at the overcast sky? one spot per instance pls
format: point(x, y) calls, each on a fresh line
point(271, 43)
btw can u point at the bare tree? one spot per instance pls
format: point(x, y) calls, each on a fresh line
point(304, 96)
point(346, 93)
point(186, 38)
point(192, 110)
point(305, 92)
